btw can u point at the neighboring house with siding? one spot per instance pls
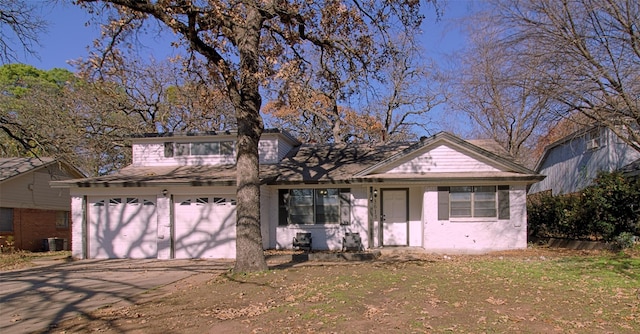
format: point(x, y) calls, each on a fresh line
point(177, 198)
point(30, 210)
point(573, 162)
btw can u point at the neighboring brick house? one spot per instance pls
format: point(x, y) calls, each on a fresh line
point(30, 210)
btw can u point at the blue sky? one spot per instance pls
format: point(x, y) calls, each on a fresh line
point(68, 35)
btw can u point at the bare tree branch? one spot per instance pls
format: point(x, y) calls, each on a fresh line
point(20, 27)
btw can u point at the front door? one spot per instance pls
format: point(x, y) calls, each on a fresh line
point(395, 227)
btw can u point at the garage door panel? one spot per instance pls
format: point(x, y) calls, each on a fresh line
point(204, 227)
point(123, 227)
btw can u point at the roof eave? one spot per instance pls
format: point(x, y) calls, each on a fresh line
point(524, 179)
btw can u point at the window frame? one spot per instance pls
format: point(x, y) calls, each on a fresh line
point(474, 200)
point(336, 211)
point(501, 203)
point(62, 220)
point(8, 214)
point(224, 148)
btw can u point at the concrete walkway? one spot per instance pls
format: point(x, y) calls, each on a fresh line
point(34, 299)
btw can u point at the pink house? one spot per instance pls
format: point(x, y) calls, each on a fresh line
point(177, 198)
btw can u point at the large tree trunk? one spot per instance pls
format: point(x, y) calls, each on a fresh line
point(249, 252)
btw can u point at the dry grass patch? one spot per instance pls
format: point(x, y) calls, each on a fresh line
point(20, 259)
point(528, 292)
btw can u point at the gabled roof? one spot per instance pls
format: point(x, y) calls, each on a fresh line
point(13, 167)
point(568, 138)
point(304, 164)
point(444, 138)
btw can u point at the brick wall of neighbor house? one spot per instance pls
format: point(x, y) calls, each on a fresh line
point(31, 226)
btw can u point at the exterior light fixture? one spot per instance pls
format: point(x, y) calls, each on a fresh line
point(164, 192)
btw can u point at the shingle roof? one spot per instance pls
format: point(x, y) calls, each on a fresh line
point(132, 176)
point(308, 163)
point(332, 163)
point(10, 167)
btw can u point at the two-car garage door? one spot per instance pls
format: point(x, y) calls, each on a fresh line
point(127, 227)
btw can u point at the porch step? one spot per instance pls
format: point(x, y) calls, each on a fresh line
point(323, 257)
point(390, 251)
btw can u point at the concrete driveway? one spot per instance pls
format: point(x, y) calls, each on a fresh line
point(33, 300)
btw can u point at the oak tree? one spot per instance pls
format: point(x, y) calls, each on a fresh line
point(162, 95)
point(247, 42)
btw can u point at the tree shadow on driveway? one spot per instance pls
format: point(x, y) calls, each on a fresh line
point(35, 299)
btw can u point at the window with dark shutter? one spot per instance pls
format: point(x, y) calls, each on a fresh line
point(345, 206)
point(283, 206)
point(168, 150)
point(443, 203)
point(504, 210)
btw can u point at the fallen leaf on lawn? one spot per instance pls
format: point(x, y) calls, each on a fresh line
point(495, 301)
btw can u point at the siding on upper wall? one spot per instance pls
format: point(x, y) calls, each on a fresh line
point(441, 159)
point(32, 190)
point(283, 148)
point(270, 150)
point(152, 154)
point(570, 166)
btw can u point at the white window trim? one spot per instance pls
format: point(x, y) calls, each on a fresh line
point(473, 202)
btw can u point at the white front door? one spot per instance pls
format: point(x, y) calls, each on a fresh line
point(395, 227)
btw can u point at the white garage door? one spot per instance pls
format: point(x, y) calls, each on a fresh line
point(122, 227)
point(204, 227)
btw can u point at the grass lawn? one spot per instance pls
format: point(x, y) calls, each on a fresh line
point(24, 259)
point(532, 291)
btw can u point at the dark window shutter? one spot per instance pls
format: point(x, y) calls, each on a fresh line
point(443, 203)
point(345, 206)
point(504, 211)
point(283, 207)
point(168, 150)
